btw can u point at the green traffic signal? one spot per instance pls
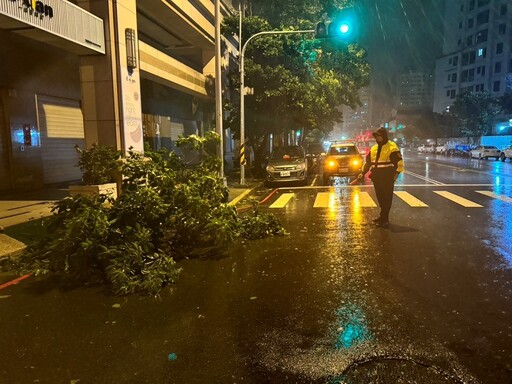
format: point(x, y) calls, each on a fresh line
point(343, 26)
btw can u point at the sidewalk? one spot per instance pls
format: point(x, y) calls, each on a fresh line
point(26, 207)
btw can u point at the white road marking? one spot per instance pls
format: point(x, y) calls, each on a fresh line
point(283, 200)
point(457, 199)
point(410, 199)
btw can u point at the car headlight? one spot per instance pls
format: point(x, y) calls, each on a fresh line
point(330, 163)
point(270, 168)
point(300, 167)
point(356, 162)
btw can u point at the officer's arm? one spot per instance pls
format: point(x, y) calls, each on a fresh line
point(397, 160)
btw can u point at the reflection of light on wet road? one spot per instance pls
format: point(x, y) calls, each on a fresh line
point(351, 327)
point(500, 226)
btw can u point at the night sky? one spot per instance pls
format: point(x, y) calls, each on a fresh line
point(401, 35)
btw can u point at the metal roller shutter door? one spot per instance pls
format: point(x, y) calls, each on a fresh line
point(62, 127)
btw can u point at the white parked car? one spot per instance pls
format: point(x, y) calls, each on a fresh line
point(426, 149)
point(485, 151)
point(506, 153)
point(441, 149)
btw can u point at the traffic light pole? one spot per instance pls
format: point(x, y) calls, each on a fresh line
point(242, 90)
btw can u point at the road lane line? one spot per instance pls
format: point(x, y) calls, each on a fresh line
point(459, 200)
point(283, 200)
point(364, 200)
point(427, 179)
point(495, 196)
point(410, 199)
point(323, 200)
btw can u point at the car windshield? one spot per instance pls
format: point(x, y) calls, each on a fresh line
point(343, 150)
point(287, 153)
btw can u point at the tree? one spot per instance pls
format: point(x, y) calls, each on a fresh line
point(506, 102)
point(474, 112)
point(298, 81)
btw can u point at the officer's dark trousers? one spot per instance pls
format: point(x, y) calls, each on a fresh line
point(383, 181)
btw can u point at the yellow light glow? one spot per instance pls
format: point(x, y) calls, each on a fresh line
point(357, 212)
point(356, 162)
point(332, 164)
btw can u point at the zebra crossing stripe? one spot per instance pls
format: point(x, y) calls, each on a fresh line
point(459, 200)
point(410, 199)
point(283, 200)
point(364, 200)
point(495, 196)
point(324, 200)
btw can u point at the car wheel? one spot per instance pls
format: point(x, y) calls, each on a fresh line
point(479, 156)
point(503, 157)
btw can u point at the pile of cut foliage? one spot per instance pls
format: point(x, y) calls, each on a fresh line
point(167, 210)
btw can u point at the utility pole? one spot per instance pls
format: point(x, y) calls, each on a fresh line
point(242, 90)
point(218, 90)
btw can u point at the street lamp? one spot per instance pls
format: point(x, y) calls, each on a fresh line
point(242, 91)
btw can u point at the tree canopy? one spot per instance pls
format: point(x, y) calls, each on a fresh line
point(299, 81)
point(475, 112)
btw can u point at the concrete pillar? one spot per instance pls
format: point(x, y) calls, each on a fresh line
point(110, 89)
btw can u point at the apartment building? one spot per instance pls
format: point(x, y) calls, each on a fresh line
point(477, 50)
point(119, 72)
point(414, 91)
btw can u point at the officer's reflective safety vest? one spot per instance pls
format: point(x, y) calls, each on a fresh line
point(385, 156)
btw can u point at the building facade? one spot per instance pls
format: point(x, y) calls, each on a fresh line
point(123, 73)
point(414, 91)
point(477, 50)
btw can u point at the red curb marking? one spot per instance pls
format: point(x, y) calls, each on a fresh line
point(15, 281)
point(269, 196)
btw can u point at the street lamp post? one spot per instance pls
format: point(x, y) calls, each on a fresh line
point(218, 90)
point(242, 86)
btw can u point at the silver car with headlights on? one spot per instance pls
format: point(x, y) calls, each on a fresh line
point(286, 165)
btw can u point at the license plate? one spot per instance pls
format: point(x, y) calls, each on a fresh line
point(284, 173)
point(343, 170)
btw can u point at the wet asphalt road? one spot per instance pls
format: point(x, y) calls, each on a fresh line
point(337, 301)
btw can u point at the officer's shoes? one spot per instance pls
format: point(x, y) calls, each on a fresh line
point(377, 220)
point(382, 224)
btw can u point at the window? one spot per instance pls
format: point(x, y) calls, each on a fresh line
point(471, 5)
point(469, 40)
point(483, 70)
point(496, 86)
point(459, 42)
point(497, 67)
point(471, 74)
point(460, 24)
point(464, 76)
point(452, 94)
point(482, 3)
point(454, 77)
point(503, 9)
point(448, 93)
point(482, 52)
point(471, 23)
point(481, 36)
point(482, 18)
point(449, 61)
point(462, 7)
point(479, 88)
point(502, 29)
point(465, 58)
point(472, 57)
point(499, 48)
point(455, 61)
point(449, 77)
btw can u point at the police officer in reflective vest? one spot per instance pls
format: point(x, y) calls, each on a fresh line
point(385, 163)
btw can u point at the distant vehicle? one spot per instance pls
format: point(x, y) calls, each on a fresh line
point(441, 149)
point(365, 142)
point(506, 154)
point(342, 160)
point(287, 164)
point(314, 154)
point(426, 149)
point(485, 151)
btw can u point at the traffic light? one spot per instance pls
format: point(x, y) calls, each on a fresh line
point(343, 26)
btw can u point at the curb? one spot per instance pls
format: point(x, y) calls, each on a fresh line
point(245, 193)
